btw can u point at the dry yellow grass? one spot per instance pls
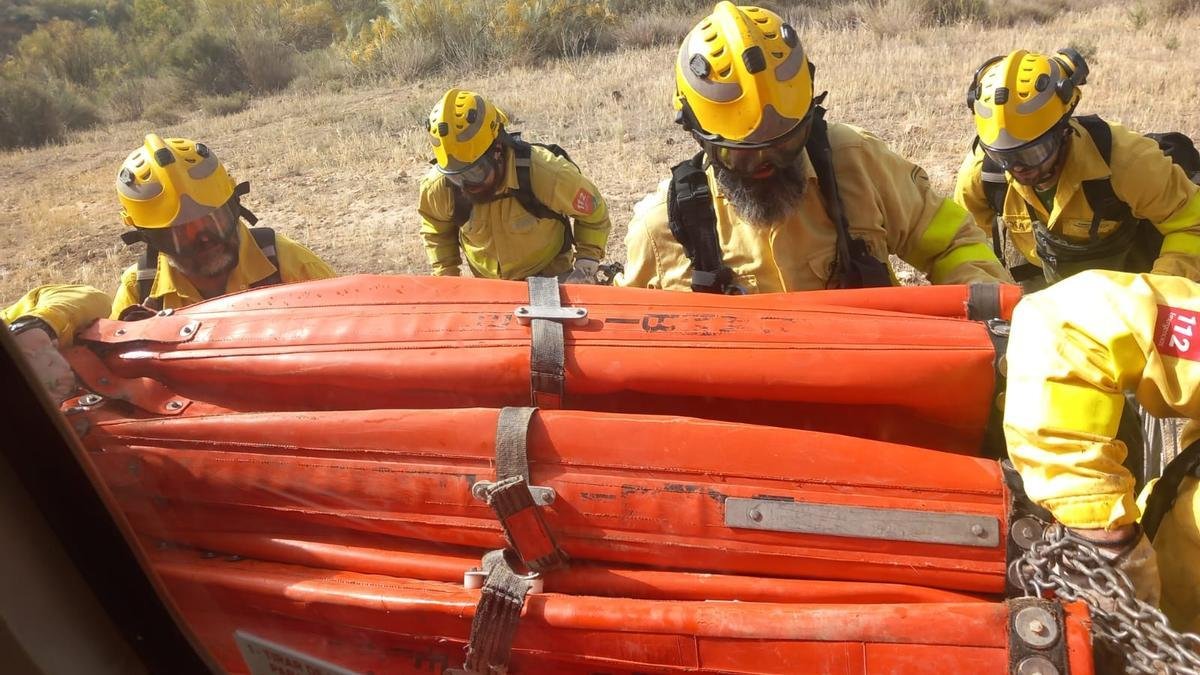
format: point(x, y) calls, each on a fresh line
point(339, 171)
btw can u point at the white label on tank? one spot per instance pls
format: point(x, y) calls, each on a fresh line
point(264, 657)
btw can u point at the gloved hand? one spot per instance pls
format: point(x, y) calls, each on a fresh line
point(584, 271)
point(1127, 549)
point(49, 367)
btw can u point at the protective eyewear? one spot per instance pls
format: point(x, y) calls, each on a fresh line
point(779, 152)
point(1032, 154)
point(184, 238)
point(474, 175)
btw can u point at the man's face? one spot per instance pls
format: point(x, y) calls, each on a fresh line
point(204, 248)
point(1038, 163)
point(478, 182)
point(762, 181)
point(766, 194)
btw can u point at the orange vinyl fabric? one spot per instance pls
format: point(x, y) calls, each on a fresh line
point(789, 360)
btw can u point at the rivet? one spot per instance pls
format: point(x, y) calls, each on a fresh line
point(174, 405)
point(120, 331)
point(90, 399)
point(756, 515)
point(580, 312)
point(977, 530)
point(1038, 627)
point(522, 310)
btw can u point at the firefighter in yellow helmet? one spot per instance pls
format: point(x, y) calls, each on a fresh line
point(45, 320)
point(1074, 349)
point(1063, 193)
point(779, 200)
point(516, 209)
point(185, 207)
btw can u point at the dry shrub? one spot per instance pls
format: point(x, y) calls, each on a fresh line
point(652, 30)
point(267, 62)
point(207, 61)
point(1177, 7)
point(1016, 12)
point(162, 114)
point(128, 99)
point(322, 70)
point(220, 106)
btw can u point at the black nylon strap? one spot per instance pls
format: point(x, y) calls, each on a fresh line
point(265, 238)
point(693, 223)
point(983, 301)
point(1166, 490)
point(512, 428)
point(546, 349)
point(497, 615)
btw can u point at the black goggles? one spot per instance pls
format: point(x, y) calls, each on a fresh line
point(475, 174)
point(745, 158)
point(1031, 155)
point(184, 238)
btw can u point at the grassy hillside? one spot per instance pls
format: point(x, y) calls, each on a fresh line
point(336, 164)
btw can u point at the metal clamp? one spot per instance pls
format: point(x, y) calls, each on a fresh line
point(542, 496)
point(576, 316)
point(474, 578)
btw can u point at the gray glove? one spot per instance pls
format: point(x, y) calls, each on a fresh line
point(584, 272)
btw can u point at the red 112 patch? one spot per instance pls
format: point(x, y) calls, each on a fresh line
point(584, 203)
point(1175, 333)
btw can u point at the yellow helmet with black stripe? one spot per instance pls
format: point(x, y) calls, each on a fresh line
point(1019, 97)
point(462, 126)
point(742, 76)
point(171, 181)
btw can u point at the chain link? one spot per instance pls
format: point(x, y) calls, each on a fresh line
point(1075, 570)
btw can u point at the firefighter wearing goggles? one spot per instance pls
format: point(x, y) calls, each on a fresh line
point(1063, 193)
point(184, 206)
point(744, 91)
point(515, 209)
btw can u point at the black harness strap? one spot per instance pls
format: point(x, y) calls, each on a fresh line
point(855, 266)
point(693, 223)
point(1166, 490)
point(147, 270)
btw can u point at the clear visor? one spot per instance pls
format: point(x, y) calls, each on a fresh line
point(475, 174)
point(745, 158)
point(184, 238)
point(1031, 155)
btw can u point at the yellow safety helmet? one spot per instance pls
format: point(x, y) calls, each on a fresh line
point(1018, 98)
point(462, 126)
point(171, 181)
point(742, 76)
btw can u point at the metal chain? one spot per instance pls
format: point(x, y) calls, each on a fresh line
point(1075, 570)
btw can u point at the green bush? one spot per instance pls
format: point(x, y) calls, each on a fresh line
point(27, 115)
point(128, 99)
point(74, 109)
point(207, 62)
point(70, 50)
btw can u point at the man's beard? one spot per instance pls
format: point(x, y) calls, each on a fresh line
point(209, 264)
point(763, 201)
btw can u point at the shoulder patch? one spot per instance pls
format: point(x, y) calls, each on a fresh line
point(1175, 333)
point(584, 203)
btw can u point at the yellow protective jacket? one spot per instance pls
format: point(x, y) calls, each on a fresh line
point(888, 204)
point(504, 241)
point(1073, 350)
point(1142, 176)
point(65, 308)
point(296, 263)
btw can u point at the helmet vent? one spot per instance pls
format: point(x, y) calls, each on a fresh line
point(725, 73)
point(443, 129)
point(699, 66)
point(126, 176)
point(1001, 95)
point(164, 157)
point(472, 115)
point(770, 36)
point(202, 150)
point(1042, 83)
